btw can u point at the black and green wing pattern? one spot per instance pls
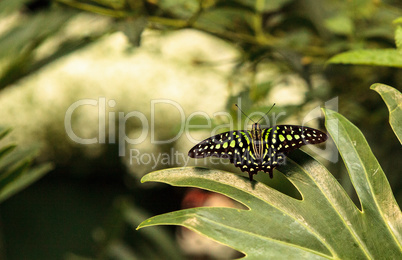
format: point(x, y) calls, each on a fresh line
point(234, 145)
point(258, 149)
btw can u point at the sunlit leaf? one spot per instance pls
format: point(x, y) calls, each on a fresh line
point(398, 39)
point(393, 100)
point(398, 20)
point(96, 8)
point(181, 8)
point(385, 57)
point(381, 216)
point(340, 24)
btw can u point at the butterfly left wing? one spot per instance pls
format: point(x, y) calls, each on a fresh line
point(287, 138)
point(233, 145)
point(282, 139)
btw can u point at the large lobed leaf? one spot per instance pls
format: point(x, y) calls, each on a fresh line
point(324, 224)
point(393, 100)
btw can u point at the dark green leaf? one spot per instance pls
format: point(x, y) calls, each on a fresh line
point(4, 132)
point(221, 19)
point(6, 150)
point(23, 180)
point(15, 174)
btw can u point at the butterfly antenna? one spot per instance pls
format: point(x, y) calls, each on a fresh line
point(244, 113)
point(266, 113)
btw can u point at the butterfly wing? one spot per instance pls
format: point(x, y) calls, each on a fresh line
point(222, 145)
point(276, 142)
point(287, 138)
point(282, 139)
point(233, 145)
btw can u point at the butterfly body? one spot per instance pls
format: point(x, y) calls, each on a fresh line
point(257, 149)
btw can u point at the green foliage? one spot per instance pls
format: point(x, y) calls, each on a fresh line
point(285, 38)
point(398, 38)
point(374, 57)
point(264, 5)
point(393, 100)
point(24, 41)
point(324, 224)
point(15, 171)
point(387, 57)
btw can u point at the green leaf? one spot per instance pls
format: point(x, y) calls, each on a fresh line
point(15, 174)
point(26, 35)
point(264, 5)
point(385, 57)
point(397, 20)
point(222, 19)
point(324, 224)
point(4, 132)
point(96, 8)
point(340, 24)
point(382, 215)
point(398, 38)
point(181, 8)
point(15, 158)
point(269, 228)
point(393, 100)
point(23, 179)
point(7, 149)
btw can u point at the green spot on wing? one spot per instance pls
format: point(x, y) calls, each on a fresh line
point(233, 144)
point(281, 138)
point(267, 134)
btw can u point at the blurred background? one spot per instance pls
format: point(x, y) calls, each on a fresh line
point(169, 60)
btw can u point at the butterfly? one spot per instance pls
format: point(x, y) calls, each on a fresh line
point(258, 149)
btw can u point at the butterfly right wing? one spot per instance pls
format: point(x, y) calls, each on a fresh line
point(222, 145)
